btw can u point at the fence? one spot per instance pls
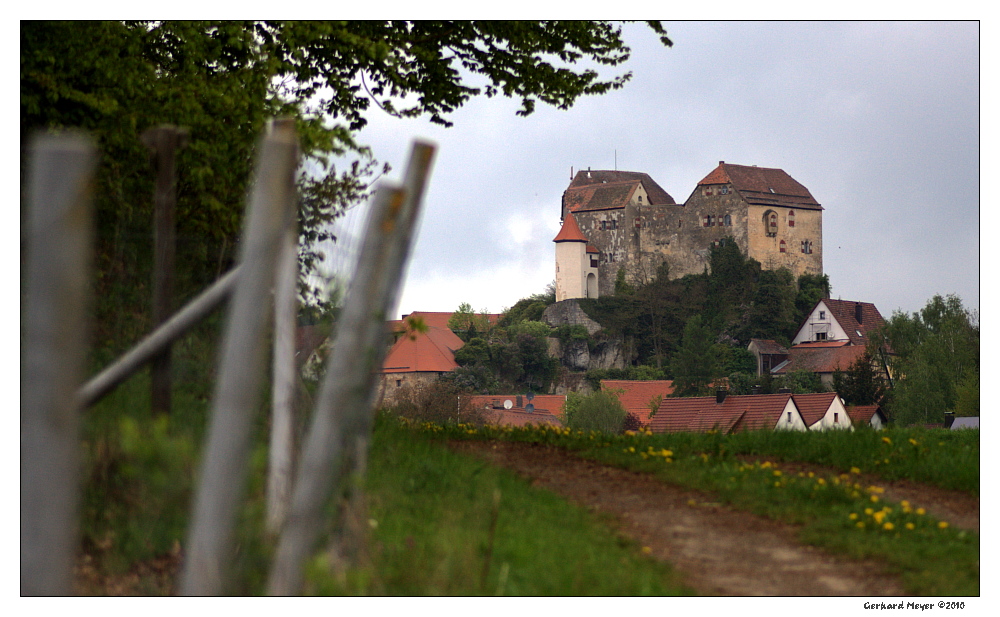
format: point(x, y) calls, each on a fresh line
point(54, 395)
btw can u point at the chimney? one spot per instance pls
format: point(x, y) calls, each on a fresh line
point(519, 402)
point(949, 419)
point(722, 162)
point(755, 390)
point(720, 395)
point(857, 313)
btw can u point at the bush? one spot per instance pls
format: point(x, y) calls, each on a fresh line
point(439, 402)
point(600, 411)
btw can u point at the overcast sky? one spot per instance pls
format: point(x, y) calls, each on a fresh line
point(880, 121)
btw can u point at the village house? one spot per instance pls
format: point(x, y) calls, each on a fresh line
point(833, 336)
point(870, 415)
point(518, 409)
point(623, 220)
point(639, 398)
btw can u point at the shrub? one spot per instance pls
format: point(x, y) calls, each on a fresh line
point(600, 411)
point(439, 402)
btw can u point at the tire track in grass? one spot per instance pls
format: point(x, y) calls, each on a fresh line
point(718, 550)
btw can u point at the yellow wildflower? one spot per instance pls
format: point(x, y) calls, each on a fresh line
point(942, 524)
point(630, 433)
point(777, 473)
point(914, 441)
point(910, 526)
point(869, 511)
point(853, 516)
point(888, 526)
point(855, 470)
point(874, 498)
point(777, 484)
point(666, 453)
point(878, 516)
point(646, 550)
point(905, 504)
point(921, 511)
point(631, 449)
point(820, 481)
point(643, 455)
point(811, 474)
point(860, 524)
point(887, 440)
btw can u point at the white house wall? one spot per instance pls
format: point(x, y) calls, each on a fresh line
point(790, 419)
point(814, 323)
point(835, 417)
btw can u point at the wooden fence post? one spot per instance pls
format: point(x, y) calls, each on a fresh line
point(163, 142)
point(60, 239)
point(242, 365)
point(343, 412)
point(282, 440)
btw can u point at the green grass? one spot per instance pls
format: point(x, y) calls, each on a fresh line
point(931, 558)
point(446, 524)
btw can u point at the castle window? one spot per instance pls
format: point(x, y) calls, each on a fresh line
point(781, 247)
point(807, 247)
point(724, 190)
point(707, 222)
point(791, 218)
point(771, 223)
point(729, 221)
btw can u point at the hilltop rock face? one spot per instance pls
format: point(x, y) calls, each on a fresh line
point(581, 355)
point(568, 312)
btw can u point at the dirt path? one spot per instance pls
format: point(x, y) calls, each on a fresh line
point(718, 551)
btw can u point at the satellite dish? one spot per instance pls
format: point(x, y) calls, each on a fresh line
point(508, 404)
point(529, 408)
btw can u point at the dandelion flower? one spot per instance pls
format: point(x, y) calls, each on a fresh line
point(646, 550)
point(860, 524)
point(811, 474)
point(942, 524)
point(914, 442)
point(905, 504)
point(887, 440)
point(878, 516)
point(855, 470)
point(910, 526)
point(777, 473)
point(820, 481)
point(777, 485)
point(874, 498)
point(888, 526)
point(869, 511)
point(921, 511)
point(853, 516)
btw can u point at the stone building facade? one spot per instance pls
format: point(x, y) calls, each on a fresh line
point(625, 220)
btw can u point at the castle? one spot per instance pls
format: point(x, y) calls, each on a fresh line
point(613, 220)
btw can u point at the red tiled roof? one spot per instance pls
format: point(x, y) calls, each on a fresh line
point(431, 351)
point(844, 311)
point(812, 407)
point(703, 413)
point(657, 196)
point(600, 196)
point(862, 414)
point(570, 231)
point(827, 359)
point(547, 408)
point(763, 185)
point(636, 396)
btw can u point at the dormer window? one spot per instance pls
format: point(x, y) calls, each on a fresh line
point(724, 190)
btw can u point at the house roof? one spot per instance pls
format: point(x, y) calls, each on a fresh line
point(636, 396)
point(820, 359)
point(307, 339)
point(421, 352)
point(862, 414)
point(763, 186)
point(812, 407)
point(570, 231)
point(767, 346)
point(657, 196)
point(969, 422)
point(845, 312)
point(703, 413)
point(547, 408)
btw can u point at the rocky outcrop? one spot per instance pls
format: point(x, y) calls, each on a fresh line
point(568, 312)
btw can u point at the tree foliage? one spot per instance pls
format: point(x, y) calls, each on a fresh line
point(936, 361)
point(223, 80)
point(696, 364)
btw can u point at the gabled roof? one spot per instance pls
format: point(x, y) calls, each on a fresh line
point(862, 414)
point(570, 231)
point(763, 186)
point(845, 312)
point(820, 358)
point(812, 407)
point(657, 196)
point(607, 190)
point(635, 396)
point(703, 413)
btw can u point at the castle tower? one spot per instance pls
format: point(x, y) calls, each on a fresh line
point(576, 263)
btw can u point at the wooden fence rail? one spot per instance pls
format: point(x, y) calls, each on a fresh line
point(61, 169)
